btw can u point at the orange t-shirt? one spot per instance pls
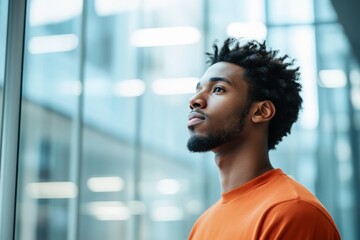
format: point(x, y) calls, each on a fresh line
point(271, 206)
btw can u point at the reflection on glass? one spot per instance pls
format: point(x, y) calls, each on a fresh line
point(53, 43)
point(43, 12)
point(332, 78)
point(355, 90)
point(49, 190)
point(105, 184)
point(129, 88)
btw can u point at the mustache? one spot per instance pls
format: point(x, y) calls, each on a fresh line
point(196, 110)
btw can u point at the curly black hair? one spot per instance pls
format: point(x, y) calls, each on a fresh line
point(270, 77)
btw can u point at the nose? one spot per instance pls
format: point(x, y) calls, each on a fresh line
point(197, 101)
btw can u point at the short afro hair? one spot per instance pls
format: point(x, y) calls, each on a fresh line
point(270, 77)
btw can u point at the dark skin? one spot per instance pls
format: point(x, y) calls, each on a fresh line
point(222, 95)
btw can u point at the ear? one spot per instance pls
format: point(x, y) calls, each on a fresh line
point(263, 111)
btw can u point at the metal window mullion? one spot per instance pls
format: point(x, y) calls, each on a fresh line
point(77, 143)
point(11, 116)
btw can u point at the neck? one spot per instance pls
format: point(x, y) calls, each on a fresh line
point(241, 164)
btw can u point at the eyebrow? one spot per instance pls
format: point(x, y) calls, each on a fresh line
point(215, 79)
point(220, 79)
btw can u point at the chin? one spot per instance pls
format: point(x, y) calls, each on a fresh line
point(203, 143)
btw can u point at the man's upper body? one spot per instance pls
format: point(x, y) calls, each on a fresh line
point(244, 104)
point(271, 206)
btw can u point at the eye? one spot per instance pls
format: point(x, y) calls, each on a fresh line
point(218, 90)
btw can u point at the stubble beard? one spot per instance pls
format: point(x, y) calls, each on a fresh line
point(232, 129)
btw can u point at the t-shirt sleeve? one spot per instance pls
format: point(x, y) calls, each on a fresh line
point(295, 220)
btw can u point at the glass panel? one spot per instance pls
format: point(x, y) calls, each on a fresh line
point(299, 43)
point(111, 147)
point(349, 198)
point(289, 12)
point(243, 19)
point(3, 29)
point(111, 91)
point(324, 11)
point(49, 109)
point(170, 179)
point(331, 57)
point(338, 128)
point(135, 132)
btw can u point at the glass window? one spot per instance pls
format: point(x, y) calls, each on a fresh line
point(50, 93)
point(241, 19)
point(324, 11)
point(339, 145)
point(299, 43)
point(109, 154)
point(290, 12)
point(135, 108)
point(105, 100)
point(103, 138)
point(331, 57)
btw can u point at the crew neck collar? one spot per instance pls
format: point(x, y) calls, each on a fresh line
point(252, 184)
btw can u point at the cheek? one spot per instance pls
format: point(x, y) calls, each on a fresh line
point(225, 110)
point(223, 118)
point(229, 111)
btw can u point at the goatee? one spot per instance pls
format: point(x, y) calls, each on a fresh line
point(198, 143)
point(203, 143)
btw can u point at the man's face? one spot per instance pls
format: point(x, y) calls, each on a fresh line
point(219, 108)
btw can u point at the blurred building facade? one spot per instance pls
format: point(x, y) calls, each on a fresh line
point(101, 145)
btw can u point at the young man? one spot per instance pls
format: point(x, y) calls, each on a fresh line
point(245, 103)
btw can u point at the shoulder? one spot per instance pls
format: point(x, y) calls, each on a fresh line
point(283, 189)
point(297, 219)
point(293, 212)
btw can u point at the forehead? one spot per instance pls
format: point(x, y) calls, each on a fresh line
point(229, 71)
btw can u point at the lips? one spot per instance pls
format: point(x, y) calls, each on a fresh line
point(195, 117)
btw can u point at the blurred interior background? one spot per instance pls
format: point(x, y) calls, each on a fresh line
point(104, 101)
